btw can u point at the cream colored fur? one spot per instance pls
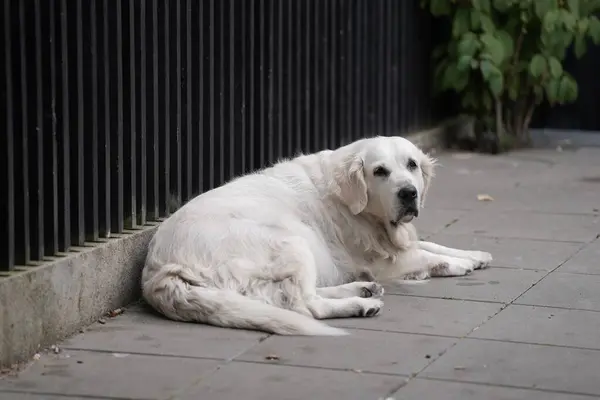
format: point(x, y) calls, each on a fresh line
point(282, 248)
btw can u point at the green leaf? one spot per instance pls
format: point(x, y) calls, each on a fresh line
point(464, 63)
point(556, 68)
point(507, 43)
point(580, 46)
point(552, 90)
point(460, 24)
point(449, 76)
point(475, 19)
point(494, 47)
point(497, 84)
point(542, 7)
point(594, 29)
point(537, 66)
point(574, 7)
point(567, 90)
point(462, 80)
point(487, 25)
point(488, 70)
point(550, 20)
point(503, 5)
point(439, 8)
point(468, 44)
point(567, 19)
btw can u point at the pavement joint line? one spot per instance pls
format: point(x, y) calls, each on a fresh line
point(401, 332)
point(362, 372)
point(533, 343)
point(557, 267)
point(222, 364)
point(70, 396)
point(484, 236)
point(556, 307)
point(135, 353)
point(422, 296)
point(533, 389)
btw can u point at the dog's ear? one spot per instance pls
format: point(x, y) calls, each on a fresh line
point(428, 170)
point(348, 179)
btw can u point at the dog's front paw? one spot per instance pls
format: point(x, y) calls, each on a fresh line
point(371, 289)
point(370, 307)
point(481, 258)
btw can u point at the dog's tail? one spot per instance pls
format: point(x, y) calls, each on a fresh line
point(177, 293)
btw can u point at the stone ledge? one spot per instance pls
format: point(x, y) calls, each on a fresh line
point(43, 304)
point(442, 135)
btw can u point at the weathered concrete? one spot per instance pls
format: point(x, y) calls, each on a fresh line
point(44, 304)
point(526, 328)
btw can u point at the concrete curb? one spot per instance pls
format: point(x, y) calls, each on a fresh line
point(42, 305)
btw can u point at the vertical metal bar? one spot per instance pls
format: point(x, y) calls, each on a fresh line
point(50, 138)
point(91, 136)
point(304, 25)
point(381, 66)
point(153, 144)
point(130, 213)
point(317, 76)
point(291, 124)
point(270, 67)
point(36, 190)
point(309, 81)
point(202, 120)
point(188, 102)
point(105, 128)
point(252, 89)
point(388, 88)
point(395, 51)
point(117, 142)
point(211, 101)
point(166, 113)
point(77, 170)
point(143, 120)
point(261, 62)
point(404, 110)
point(7, 257)
point(244, 66)
point(280, 77)
point(22, 202)
point(232, 48)
point(351, 45)
point(176, 162)
point(333, 131)
point(221, 57)
point(325, 44)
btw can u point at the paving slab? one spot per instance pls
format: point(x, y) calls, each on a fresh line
point(520, 365)
point(538, 255)
point(422, 389)
point(142, 332)
point(251, 381)
point(587, 261)
point(564, 290)
point(528, 225)
point(368, 351)
point(500, 285)
point(433, 220)
point(118, 375)
point(425, 315)
point(543, 325)
point(31, 396)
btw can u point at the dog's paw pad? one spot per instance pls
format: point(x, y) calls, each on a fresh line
point(371, 290)
point(371, 307)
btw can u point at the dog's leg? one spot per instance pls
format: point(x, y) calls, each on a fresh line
point(481, 257)
point(360, 289)
point(419, 264)
point(322, 308)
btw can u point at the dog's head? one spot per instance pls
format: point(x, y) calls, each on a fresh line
point(386, 177)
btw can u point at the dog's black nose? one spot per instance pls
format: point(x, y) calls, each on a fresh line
point(407, 193)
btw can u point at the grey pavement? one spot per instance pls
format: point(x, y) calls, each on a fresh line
point(526, 328)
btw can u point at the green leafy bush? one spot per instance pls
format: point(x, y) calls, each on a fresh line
point(505, 57)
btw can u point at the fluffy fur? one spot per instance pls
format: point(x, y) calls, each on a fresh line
point(304, 240)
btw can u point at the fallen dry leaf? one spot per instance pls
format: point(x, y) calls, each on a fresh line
point(484, 197)
point(272, 357)
point(115, 313)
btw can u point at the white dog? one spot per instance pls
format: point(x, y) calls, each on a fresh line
point(281, 248)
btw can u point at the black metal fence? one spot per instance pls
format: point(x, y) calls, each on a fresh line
point(113, 108)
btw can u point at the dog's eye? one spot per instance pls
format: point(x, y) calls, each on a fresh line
point(411, 165)
point(381, 171)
